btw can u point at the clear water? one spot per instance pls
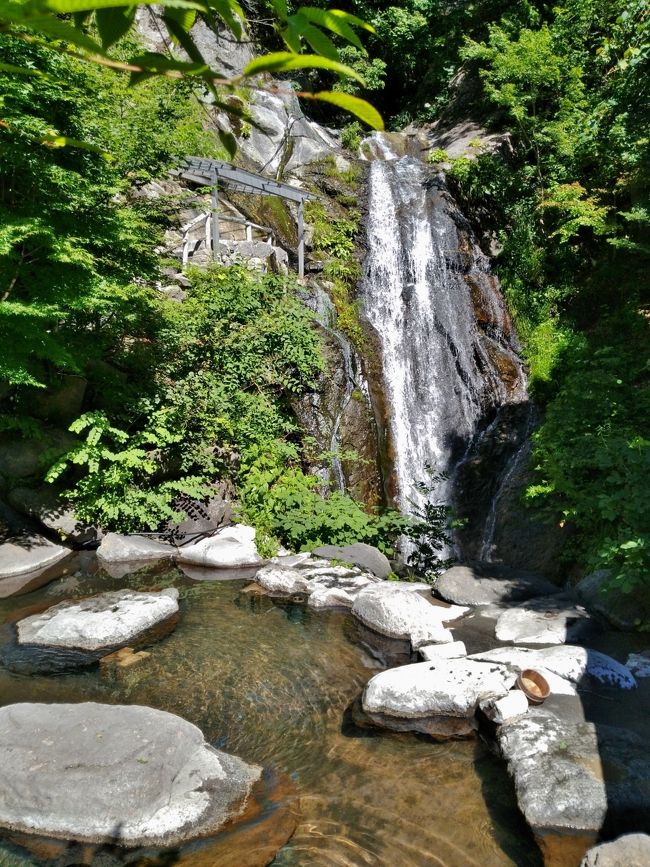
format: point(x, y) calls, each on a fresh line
point(272, 683)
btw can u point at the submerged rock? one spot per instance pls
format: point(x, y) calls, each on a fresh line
point(232, 546)
point(573, 778)
point(120, 774)
point(567, 661)
point(465, 585)
point(438, 698)
point(116, 548)
point(400, 613)
point(631, 850)
point(364, 556)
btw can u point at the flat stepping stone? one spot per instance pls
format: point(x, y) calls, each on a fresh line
point(439, 698)
point(567, 661)
point(77, 633)
point(324, 584)
point(571, 776)
point(465, 585)
point(550, 620)
point(115, 774)
point(397, 612)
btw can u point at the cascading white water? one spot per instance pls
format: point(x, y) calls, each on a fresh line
point(423, 282)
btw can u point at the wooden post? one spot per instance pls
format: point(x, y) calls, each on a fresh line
point(215, 218)
point(301, 239)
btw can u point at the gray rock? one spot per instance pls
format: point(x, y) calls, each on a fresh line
point(465, 585)
point(567, 661)
point(232, 546)
point(59, 517)
point(639, 664)
point(115, 548)
point(330, 597)
point(20, 459)
point(327, 585)
point(631, 850)
point(202, 518)
point(552, 620)
point(507, 707)
point(29, 553)
point(427, 696)
point(365, 556)
point(400, 613)
point(570, 776)
point(110, 773)
point(107, 620)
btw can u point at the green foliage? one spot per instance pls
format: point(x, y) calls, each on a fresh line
point(351, 136)
point(437, 155)
point(334, 241)
point(283, 503)
point(593, 452)
point(97, 35)
point(429, 529)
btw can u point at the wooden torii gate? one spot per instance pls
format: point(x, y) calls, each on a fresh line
point(215, 174)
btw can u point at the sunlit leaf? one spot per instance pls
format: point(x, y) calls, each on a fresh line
point(356, 106)
point(285, 61)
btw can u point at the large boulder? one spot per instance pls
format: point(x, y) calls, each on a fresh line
point(115, 774)
point(397, 612)
point(102, 621)
point(567, 661)
point(438, 698)
point(367, 557)
point(630, 850)
point(325, 584)
point(230, 547)
point(467, 585)
point(77, 633)
point(116, 548)
point(46, 506)
point(573, 778)
point(29, 553)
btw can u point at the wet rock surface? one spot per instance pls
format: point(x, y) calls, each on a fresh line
point(467, 585)
point(28, 552)
point(324, 584)
point(104, 773)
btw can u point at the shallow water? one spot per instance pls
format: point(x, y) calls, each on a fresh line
point(272, 683)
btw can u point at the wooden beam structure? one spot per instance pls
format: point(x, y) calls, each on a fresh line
point(215, 174)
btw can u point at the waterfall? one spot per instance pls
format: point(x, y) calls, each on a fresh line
point(448, 356)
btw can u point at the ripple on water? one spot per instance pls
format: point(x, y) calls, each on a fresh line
point(272, 683)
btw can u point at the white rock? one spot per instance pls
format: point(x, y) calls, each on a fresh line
point(454, 650)
point(449, 687)
point(330, 597)
point(528, 626)
point(105, 620)
point(232, 546)
point(115, 548)
point(399, 613)
point(20, 557)
point(276, 579)
point(500, 710)
point(567, 661)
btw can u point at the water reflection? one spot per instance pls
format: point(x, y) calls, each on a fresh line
point(272, 683)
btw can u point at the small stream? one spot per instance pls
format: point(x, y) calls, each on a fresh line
point(272, 682)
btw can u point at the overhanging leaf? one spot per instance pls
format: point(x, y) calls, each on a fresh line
point(356, 106)
point(113, 23)
point(285, 61)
